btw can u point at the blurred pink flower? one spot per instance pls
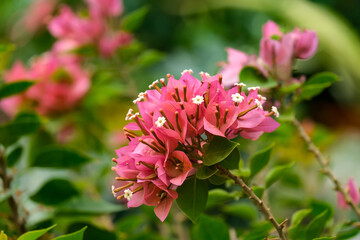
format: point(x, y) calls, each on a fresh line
point(354, 194)
point(38, 14)
point(105, 8)
point(306, 43)
point(109, 43)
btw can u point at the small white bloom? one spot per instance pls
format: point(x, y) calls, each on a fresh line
point(113, 190)
point(160, 122)
point(128, 194)
point(129, 114)
point(137, 100)
point(275, 111)
point(204, 74)
point(187, 71)
point(237, 98)
point(198, 99)
point(253, 88)
point(240, 84)
point(262, 98)
point(258, 103)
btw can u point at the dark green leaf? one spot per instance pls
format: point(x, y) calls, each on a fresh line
point(59, 157)
point(210, 228)
point(324, 238)
point(219, 149)
point(23, 124)
point(192, 198)
point(14, 156)
point(33, 235)
point(298, 216)
point(54, 192)
point(259, 191)
point(260, 160)
point(317, 84)
point(92, 232)
point(204, 172)
point(133, 20)
point(9, 89)
point(245, 211)
point(276, 173)
point(347, 232)
point(217, 179)
point(232, 161)
point(85, 205)
point(73, 236)
point(253, 78)
point(219, 196)
point(317, 225)
point(259, 231)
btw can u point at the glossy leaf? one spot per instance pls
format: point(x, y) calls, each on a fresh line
point(59, 157)
point(316, 84)
point(260, 160)
point(204, 172)
point(253, 78)
point(9, 89)
point(133, 20)
point(277, 173)
point(219, 149)
point(192, 198)
point(73, 236)
point(232, 161)
point(14, 156)
point(348, 231)
point(210, 228)
point(295, 229)
point(33, 235)
point(54, 192)
point(217, 179)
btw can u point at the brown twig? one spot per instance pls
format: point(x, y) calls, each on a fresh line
point(324, 163)
point(257, 201)
point(18, 221)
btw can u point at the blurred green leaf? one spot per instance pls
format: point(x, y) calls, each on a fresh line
point(5, 54)
point(245, 211)
point(276, 173)
point(232, 161)
point(254, 78)
point(55, 192)
point(259, 191)
point(210, 228)
point(296, 230)
point(259, 231)
point(9, 89)
point(218, 150)
point(59, 157)
point(217, 179)
point(14, 156)
point(192, 198)
point(33, 235)
point(316, 84)
point(92, 232)
point(290, 88)
point(347, 231)
point(204, 172)
point(85, 205)
point(72, 236)
point(324, 238)
point(219, 196)
point(260, 160)
point(317, 225)
point(23, 124)
point(133, 20)
point(149, 57)
point(3, 236)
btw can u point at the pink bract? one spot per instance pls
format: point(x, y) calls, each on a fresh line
point(354, 194)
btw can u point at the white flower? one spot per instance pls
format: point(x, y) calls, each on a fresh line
point(128, 194)
point(253, 88)
point(240, 84)
point(275, 111)
point(262, 98)
point(237, 98)
point(113, 190)
point(198, 99)
point(160, 122)
point(258, 103)
point(187, 71)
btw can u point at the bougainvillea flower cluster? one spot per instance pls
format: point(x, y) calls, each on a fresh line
point(167, 136)
point(74, 31)
point(278, 52)
point(60, 83)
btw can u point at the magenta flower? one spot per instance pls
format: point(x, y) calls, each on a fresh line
point(105, 8)
point(354, 194)
point(38, 14)
point(167, 137)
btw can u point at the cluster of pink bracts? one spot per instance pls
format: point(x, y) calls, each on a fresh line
point(278, 52)
point(168, 135)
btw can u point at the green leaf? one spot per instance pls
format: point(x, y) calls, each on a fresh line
point(298, 216)
point(260, 160)
point(232, 161)
point(5, 55)
point(219, 196)
point(219, 149)
point(259, 191)
point(316, 84)
point(193, 194)
point(73, 236)
point(149, 57)
point(3, 236)
point(33, 235)
point(347, 231)
point(54, 192)
point(9, 89)
point(252, 77)
point(217, 179)
point(324, 238)
point(59, 157)
point(14, 156)
point(259, 230)
point(210, 228)
point(84, 205)
point(23, 124)
point(317, 225)
point(277, 173)
point(133, 20)
point(241, 210)
point(204, 172)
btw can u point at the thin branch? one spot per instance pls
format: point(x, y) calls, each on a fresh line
point(257, 201)
point(19, 222)
point(324, 163)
